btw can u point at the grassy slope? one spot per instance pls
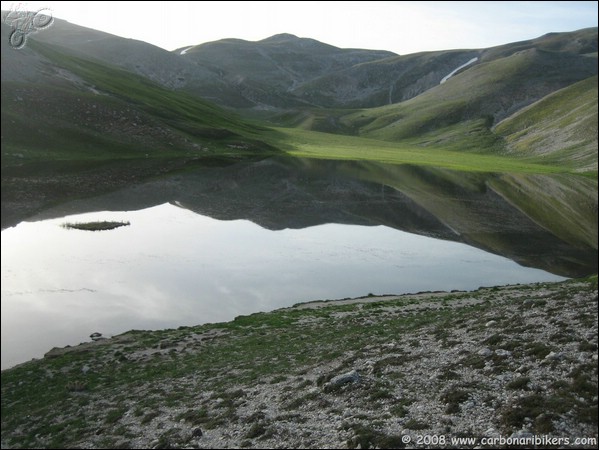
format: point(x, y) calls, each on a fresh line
point(560, 128)
point(103, 129)
point(311, 144)
point(485, 90)
point(194, 121)
point(178, 111)
point(580, 41)
point(459, 114)
point(399, 78)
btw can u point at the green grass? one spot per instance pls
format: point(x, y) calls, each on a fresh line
point(459, 115)
point(115, 115)
point(181, 110)
point(560, 128)
point(311, 144)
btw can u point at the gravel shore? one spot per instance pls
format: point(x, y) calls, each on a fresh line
point(412, 371)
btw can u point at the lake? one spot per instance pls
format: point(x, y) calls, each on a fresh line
point(218, 242)
point(172, 267)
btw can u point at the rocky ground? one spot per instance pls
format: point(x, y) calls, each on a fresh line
point(415, 371)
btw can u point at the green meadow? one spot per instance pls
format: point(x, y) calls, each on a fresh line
point(312, 144)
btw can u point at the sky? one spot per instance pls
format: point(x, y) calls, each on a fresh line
point(402, 27)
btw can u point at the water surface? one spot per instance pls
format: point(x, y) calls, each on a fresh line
point(258, 235)
point(173, 267)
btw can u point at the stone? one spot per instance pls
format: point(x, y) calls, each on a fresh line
point(554, 356)
point(503, 353)
point(490, 323)
point(95, 336)
point(522, 434)
point(349, 377)
point(485, 352)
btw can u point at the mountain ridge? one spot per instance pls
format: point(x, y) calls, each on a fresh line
point(284, 71)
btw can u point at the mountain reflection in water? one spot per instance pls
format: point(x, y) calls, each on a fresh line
point(173, 267)
point(202, 245)
point(543, 221)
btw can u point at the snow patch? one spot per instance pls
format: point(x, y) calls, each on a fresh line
point(185, 50)
point(448, 76)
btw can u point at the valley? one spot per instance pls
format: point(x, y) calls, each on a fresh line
point(258, 178)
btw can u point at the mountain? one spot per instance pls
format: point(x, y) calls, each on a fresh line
point(285, 71)
point(84, 111)
point(490, 90)
point(74, 127)
point(230, 72)
point(444, 99)
point(141, 58)
point(267, 73)
point(550, 84)
point(381, 82)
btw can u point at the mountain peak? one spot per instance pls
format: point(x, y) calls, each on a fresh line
point(281, 37)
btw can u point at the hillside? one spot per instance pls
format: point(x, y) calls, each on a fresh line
point(230, 72)
point(489, 91)
point(466, 112)
point(287, 72)
point(400, 78)
point(141, 58)
point(266, 73)
point(494, 90)
point(381, 82)
point(455, 100)
point(449, 99)
point(75, 127)
point(561, 127)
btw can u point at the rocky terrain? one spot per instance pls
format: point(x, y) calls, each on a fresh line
point(413, 371)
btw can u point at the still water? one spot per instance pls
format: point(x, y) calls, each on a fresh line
point(173, 267)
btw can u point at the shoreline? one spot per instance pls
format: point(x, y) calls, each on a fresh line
point(509, 361)
point(309, 304)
